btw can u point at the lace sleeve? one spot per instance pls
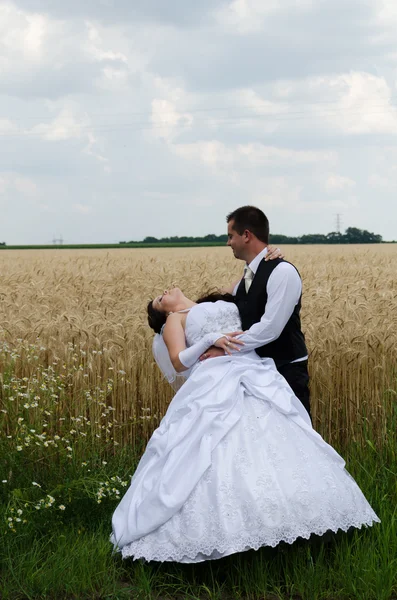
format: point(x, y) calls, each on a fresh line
point(190, 356)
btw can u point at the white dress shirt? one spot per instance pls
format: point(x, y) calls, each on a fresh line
point(284, 288)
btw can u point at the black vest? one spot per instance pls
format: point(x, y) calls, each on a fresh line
point(290, 345)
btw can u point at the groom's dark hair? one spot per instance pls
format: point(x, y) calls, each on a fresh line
point(251, 218)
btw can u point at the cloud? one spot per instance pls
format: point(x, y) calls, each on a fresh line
point(82, 209)
point(166, 120)
point(266, 41)
point(277, 192)
point(13, 182)
point(51, 57)
point(365, 104)
point(338, 182)
point(376, 181)
point(248, 16)
point(63, 127)
point(22, 35)
point(130, 112)
point(7, 127)
point(216, 154)
point(178, 13)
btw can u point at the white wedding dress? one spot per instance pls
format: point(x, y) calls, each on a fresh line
point(235, 464)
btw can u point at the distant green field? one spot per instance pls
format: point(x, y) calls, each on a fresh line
point(102, 246)
point(142, 245)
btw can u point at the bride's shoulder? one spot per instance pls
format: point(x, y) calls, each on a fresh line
point(174, 320)
point(227, 303)
point(218, 306)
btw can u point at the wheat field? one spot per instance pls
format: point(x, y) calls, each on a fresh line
point(82, 314)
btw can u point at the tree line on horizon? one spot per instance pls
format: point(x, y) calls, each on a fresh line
point(352, 235)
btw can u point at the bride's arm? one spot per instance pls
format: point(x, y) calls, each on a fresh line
point(174, 338)
point(183, 358)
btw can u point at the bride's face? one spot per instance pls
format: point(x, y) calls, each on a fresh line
point(168, 300)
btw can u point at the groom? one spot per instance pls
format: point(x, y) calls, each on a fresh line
point(269, 300)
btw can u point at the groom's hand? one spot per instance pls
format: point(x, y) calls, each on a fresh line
point(212, 352)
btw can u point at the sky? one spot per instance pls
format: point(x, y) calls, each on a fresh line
point(123, 119)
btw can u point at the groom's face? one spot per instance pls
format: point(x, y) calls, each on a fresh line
point(236, 241)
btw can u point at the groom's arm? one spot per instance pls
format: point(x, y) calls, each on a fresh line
point(284, 289)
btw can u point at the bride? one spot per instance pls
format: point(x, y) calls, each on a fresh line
point(235, 463)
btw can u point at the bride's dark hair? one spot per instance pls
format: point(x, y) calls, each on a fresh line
point(157, 319)
point(215, 296)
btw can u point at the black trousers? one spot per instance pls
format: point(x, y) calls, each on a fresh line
point(297, 376)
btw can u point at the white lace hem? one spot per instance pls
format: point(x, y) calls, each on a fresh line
point(193, 552)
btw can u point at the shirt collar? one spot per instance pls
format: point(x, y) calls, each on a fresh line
point(254, 264)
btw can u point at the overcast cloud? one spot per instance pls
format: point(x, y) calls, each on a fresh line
point(123, 119)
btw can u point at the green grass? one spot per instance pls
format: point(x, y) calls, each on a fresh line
point(60, 481)
point(72, 557)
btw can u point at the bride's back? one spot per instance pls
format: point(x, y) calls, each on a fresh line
point(208, 317)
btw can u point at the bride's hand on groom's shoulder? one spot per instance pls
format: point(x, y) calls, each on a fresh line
point(273, 253)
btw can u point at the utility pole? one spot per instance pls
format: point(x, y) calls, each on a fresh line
point(59, 240)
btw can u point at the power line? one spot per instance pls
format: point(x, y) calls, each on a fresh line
point(232, 119)
point(390, 104)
